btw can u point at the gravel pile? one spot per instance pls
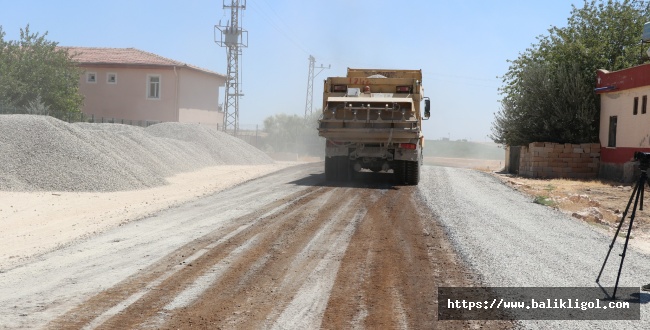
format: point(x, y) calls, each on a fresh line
point(43, 153)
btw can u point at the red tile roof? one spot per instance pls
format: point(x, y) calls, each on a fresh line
point(126, 57)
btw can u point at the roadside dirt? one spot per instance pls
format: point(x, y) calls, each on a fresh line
point(34, 223)
point(597, 202)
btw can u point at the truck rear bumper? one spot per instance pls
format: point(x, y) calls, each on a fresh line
point(389, 154)
point(370, 134)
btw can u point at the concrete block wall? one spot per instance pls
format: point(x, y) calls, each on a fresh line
point(554, 160)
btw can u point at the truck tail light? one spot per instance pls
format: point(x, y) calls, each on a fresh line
point(403, 89)
point(339, 88)
point(410, 146)
point(330, 143)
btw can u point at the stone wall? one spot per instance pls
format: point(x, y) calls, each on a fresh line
point(553, 160)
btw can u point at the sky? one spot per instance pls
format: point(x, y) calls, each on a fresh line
point(461, 46)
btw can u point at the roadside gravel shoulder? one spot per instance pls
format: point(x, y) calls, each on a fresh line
point(510, 241)
point(599, 203)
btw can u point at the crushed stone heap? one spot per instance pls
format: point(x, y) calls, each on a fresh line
point(41, 153)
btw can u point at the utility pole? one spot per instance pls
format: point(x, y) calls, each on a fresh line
point(310, 84)
point(234, 38)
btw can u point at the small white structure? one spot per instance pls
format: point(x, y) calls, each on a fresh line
point(624, 119)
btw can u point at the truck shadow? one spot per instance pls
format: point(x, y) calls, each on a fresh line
point(371, 180)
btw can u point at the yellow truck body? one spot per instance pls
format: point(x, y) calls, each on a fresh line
point(372, 119)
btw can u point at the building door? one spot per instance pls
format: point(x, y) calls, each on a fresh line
point(612, 131)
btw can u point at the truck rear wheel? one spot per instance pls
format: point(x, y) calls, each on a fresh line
point(412, 173)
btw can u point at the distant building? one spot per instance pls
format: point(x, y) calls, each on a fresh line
point(624, 119)
point(131, 84)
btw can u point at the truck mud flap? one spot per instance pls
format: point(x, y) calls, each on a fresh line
point(338, 169)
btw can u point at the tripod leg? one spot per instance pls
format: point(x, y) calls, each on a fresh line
point(627, 208)
point(641, 186)
point(642, 191)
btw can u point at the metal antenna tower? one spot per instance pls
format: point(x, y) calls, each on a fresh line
point(234, 38)
point(310, 84)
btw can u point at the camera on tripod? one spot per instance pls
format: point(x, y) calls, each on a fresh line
point(643, 158)
point(637, 196)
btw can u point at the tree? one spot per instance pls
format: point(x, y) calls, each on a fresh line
point(548, 91)
point(36, 76)
point(293, 133)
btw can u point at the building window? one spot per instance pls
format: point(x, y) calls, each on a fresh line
point(644, 103)
point(612, 132)
point(111, 78)
point(153, 86)
point(91, 77)
point(636, 106)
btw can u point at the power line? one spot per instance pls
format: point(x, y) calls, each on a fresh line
point(276, 26)
point(460, 77)
point(310, 84)
point(234, 38)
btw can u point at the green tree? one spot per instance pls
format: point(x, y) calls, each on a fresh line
point(548, 91)
point(293, 133)
point(38, 77)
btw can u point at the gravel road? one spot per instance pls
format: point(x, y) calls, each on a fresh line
point(509, 241)
point(285, 251)
point(288, 251)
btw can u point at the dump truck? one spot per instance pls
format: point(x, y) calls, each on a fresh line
point(372, 120)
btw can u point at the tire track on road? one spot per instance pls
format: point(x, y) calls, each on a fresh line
point(123, 296)
point(391, 271)
point(253, 295)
